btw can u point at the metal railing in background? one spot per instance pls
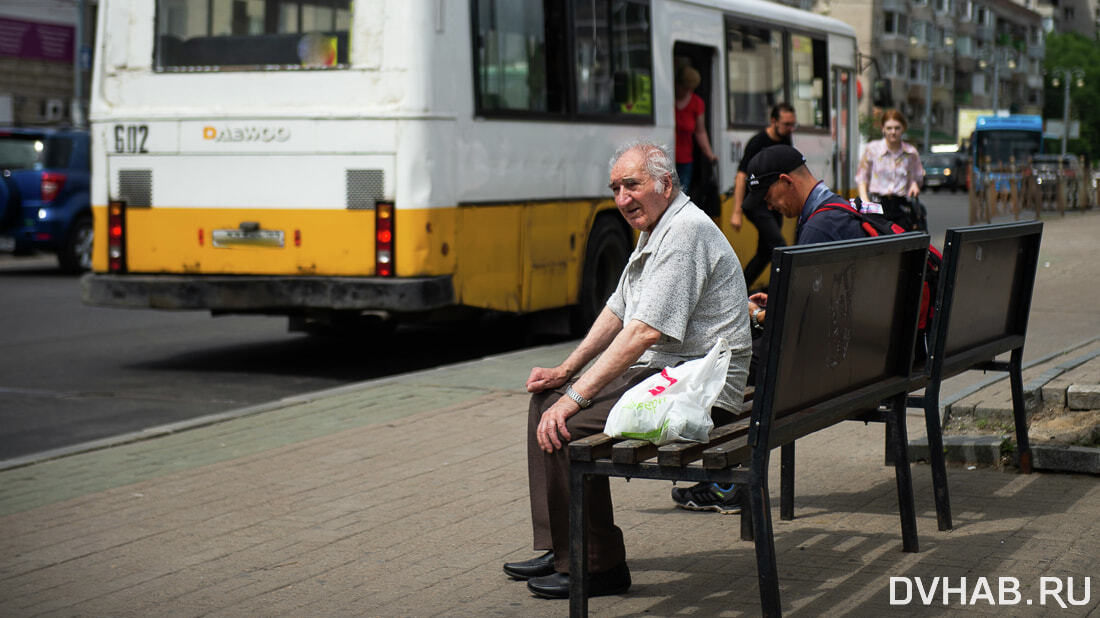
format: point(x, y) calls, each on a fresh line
point(1013, 188)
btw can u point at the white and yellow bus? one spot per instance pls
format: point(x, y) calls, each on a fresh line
point(330, 158)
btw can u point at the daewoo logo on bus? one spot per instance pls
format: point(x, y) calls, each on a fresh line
point(246, 134)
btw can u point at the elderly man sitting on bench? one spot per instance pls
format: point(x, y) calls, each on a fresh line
point(681, 290)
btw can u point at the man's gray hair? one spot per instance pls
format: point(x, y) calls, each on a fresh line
point(658, 162)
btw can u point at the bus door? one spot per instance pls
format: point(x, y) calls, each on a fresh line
point(701, 58)
point(842, 114)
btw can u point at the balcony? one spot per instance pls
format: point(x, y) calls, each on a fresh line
point(891, 43)
point(984, 33)
point(944, 55)
point(943, 96)
point(1036, 51)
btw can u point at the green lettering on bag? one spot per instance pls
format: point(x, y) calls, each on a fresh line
point(649, 436)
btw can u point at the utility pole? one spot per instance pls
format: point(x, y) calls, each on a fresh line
point(1071, 74)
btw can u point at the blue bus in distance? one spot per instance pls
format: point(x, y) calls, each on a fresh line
point(1002, 139)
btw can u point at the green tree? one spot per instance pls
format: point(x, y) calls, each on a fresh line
point(1074, 51)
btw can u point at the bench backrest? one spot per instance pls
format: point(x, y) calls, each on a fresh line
point(984, 299)
point(841, 323)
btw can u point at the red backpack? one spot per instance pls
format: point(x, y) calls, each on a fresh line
point(878, 225)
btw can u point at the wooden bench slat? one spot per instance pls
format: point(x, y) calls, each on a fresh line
point(632, 451)
point(595, 446)
point(680, 454)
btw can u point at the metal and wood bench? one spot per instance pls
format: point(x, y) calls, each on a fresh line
point(981, 311)
point(839, 338)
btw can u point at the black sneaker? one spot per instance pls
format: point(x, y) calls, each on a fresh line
point(709, 497)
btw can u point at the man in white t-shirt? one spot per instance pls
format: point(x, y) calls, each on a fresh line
point(681, 290)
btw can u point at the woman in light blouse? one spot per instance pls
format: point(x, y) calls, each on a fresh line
point(890, 172)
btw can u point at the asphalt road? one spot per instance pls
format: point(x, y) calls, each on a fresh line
point(71, 374)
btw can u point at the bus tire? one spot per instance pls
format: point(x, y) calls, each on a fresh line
point(604, 258)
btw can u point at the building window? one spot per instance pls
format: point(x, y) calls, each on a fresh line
point(943, 6)
point(966, 10)
point(894, 23)
point(895, 65)
point(251, 35)
point(754, 66)
point(918, 70)
point(965, 46)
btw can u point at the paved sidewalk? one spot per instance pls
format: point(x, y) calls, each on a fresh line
point(402, 497)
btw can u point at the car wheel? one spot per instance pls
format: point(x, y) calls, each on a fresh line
point(76, 254)
point(604, 258)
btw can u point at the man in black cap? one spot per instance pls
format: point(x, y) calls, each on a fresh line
point(779, 179)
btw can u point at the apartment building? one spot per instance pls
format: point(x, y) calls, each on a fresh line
point(969, 53)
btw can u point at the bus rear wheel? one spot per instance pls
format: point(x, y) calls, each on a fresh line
point(604, 258)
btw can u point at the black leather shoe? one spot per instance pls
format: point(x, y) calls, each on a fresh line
point(535, 567)
point(556, 586)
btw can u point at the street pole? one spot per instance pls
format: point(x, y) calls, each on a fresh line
point(996, 83)
point(928, 112)
point(1065, 111)
point(77, 111)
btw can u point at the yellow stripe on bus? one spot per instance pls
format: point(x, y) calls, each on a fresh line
point(519, 257)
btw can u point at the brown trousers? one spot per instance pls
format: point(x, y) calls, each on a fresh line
point(548, 477)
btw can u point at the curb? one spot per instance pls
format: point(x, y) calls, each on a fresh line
point(1032, 389)
point(986, 450)
point(150, 433)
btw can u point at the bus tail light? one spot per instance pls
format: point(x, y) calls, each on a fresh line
point(116, 236)
point(52, 182)
point(383, 239)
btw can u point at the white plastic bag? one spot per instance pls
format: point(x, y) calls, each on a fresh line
point(673, 404)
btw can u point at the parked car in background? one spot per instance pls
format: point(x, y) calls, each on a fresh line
point(1044, 173)
point(943, 171)
point(44, 198)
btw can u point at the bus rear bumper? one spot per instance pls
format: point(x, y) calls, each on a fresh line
point(267, 294)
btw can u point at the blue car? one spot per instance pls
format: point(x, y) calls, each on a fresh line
point(44, 194)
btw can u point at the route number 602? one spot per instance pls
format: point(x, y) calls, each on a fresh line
point(131, 138)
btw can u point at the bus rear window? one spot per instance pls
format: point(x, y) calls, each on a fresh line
point(251, 35)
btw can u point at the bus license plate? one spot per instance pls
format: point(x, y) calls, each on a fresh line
point(240, 238)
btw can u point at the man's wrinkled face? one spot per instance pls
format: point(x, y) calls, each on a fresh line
point(636, 193)
point(785, 124)
point(783, 198)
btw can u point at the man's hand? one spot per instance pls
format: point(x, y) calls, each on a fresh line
point(736, 220)
point(760, 299)
point(542, 379)
point(551, 432)
point(914, 189)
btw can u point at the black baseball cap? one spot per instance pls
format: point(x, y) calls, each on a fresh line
point(764, 169)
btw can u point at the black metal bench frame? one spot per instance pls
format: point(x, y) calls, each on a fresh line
point(961, 340)
point(781, 411)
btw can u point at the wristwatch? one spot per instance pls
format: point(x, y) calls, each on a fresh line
point(581, 400)
point(755, 322)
